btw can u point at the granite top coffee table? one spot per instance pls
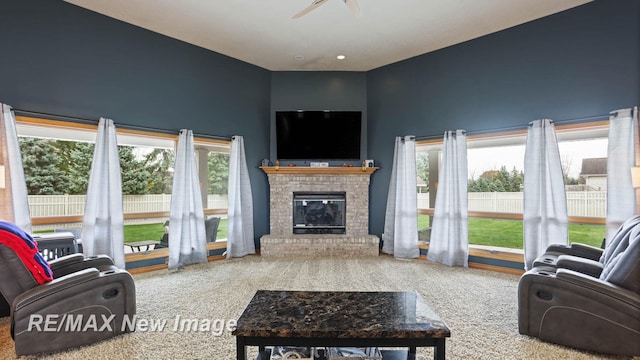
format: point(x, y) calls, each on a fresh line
point(329, 318)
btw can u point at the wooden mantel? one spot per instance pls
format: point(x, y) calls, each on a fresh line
point(307, 170)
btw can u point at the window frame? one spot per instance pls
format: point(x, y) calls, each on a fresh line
point(563, 132)
point(128, 137)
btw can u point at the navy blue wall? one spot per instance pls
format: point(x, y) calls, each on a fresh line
point(62, 59)
point(319, 91)
point(574, 64)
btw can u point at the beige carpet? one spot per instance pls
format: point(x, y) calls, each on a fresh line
point(478, 306)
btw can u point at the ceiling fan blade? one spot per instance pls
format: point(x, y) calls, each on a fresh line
point(309, 8)
point(353, 6)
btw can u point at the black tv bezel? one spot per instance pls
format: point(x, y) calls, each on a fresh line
point(335, 116)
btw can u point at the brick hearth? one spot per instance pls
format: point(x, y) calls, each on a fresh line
point(353, 181)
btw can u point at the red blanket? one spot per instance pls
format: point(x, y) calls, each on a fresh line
point(27, 250)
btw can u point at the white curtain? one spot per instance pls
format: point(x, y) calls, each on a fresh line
point(17, 207)
point(187, 236)
point(240, 207)
point(545, 201)
point(103, 224)
point(621, 199)
point(636, 141)
point(400, 236)
point(449, 242)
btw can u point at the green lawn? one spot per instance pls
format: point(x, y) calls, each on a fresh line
point(492, 232)
point(509, 233)
point(155, 231)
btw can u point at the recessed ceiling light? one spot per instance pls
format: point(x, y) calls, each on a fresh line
point(341, 57)
point(299, 57)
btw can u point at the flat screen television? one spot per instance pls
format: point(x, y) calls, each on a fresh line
point(318, 135)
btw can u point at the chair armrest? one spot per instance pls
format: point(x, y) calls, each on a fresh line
point(577, 249)
point(587, 251)
point(52, 287)
point(603, 287)
point(76, 262)
point(66, 260)
point(579, 264)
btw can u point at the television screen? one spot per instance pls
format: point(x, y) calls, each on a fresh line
point(318, 135)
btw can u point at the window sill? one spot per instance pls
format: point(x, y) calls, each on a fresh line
point(505, 260)
point(145, 261)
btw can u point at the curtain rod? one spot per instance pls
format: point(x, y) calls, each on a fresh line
point(121, 125)
point(524, 127)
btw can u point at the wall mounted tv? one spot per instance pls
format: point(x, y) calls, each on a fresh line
point(318, 135)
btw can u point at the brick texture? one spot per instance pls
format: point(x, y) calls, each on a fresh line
point(355, 242)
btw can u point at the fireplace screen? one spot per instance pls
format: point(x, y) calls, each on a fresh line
point(319, 213)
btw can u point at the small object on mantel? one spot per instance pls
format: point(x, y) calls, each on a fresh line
point(292, 164)
point(364, 165)
point(344, 165)
point(277, 164)
point(307, 170)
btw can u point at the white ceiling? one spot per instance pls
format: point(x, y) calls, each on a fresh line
point(263, 33)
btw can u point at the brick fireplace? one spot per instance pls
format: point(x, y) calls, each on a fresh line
point(352, 181)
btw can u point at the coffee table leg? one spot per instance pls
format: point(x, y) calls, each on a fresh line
point(438, 350)
point(412, 354)
point(240, 348)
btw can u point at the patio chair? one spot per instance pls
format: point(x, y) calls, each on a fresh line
point(56, 244)
point(211, 228)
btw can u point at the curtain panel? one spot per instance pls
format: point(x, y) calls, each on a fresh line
point(545, 203)
point(621, 152)
point(449, 241)
point(14, 195)
point(187, 236)
point(636, 142)
point(240, 238)
point(103, 224)
point(400, 237)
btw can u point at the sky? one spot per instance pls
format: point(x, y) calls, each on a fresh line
point(571, 154)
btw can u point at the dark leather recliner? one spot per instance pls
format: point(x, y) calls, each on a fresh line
point(87, 301)
point(588, 259)
point(593, 313)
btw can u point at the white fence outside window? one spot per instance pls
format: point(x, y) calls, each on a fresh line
point(73, 205)
point(579, 203)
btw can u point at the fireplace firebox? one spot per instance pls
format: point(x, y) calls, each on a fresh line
point(319, 213)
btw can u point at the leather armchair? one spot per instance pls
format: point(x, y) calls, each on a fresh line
point(589, 259)
point(87, 301)
point(599, 314)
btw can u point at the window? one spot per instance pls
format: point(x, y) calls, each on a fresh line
point(57, 157)
point(495, 180)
